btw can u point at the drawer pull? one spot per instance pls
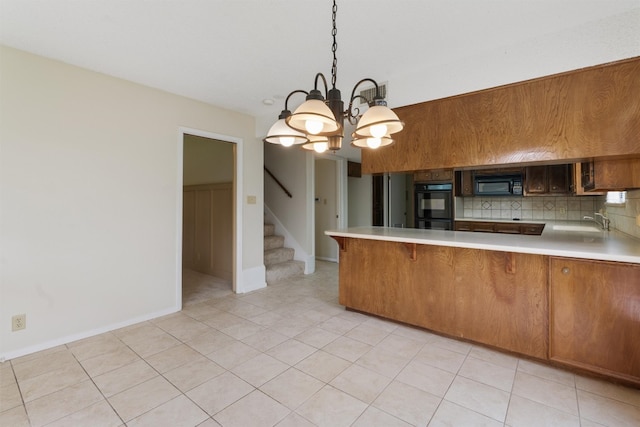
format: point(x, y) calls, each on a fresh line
point(565, 270)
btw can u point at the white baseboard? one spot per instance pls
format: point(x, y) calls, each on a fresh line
point(253, 279)
point(327, 259)
point(85, 334)
point(310, 265)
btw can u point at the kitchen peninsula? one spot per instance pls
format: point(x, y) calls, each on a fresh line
point(570, 296)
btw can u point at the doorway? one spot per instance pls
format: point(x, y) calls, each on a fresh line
point(326, 208)
point(207, 255)
point(392, 200)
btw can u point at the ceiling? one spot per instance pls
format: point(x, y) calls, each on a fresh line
point(236, 54)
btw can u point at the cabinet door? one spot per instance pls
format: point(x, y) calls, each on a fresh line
point(381, 278)
point(462, 226)
point(558, 179)
point(501, 300)
point(464, 183)
point(536, 180)
point(616, 175)
point(507, 228)
point(595, 316)
point(483, 227)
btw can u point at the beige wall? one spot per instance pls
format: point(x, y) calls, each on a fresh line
point(290, 166)
point(90, 171)
point(207, 161)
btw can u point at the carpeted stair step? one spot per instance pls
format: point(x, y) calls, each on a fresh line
point(284, 270)
point(273, 242)
point(269, 229)
point(278, 255)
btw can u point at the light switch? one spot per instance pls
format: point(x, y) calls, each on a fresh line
point(251, 200)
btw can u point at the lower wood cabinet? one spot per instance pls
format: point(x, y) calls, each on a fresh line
point(495, 298)
point(595, 316)
point(580, 313)
point(499, 227)
point(380, 278)
point(501, 299)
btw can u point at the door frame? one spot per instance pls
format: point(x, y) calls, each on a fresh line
point(237, 205)
point(341, 192)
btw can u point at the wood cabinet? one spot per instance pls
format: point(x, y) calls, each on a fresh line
point(579, 313)
point(552, 179)
point(579, 180)
point(535, 180)
point(464, 183)
point(559, 179)
point(433, 175)
point(398, 288)
point(499, 227)
point(595, 316)
point(501, 300)
point(495, 298)
point(588, 113)
point(610, 175)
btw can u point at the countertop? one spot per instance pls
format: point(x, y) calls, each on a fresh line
point(600, 245)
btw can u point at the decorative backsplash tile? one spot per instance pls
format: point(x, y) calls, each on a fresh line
point(531, 208)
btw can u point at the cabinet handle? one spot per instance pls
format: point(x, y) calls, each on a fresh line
point(565, 270)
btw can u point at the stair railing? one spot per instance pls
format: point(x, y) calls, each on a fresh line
point(278, 182)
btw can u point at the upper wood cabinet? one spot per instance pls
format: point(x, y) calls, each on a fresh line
point(554, 179)
point(611, 175)
point(433, 176)
point(588, 113)
point(464, 183)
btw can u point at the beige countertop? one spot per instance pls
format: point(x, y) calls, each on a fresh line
point(597, 244)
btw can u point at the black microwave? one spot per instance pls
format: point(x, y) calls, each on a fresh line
point(498, 185)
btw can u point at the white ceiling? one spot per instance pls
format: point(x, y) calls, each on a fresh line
point(235, 54)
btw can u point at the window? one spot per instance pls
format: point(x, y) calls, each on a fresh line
point(616, 197)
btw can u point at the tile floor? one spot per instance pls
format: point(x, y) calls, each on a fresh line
point(289, 355)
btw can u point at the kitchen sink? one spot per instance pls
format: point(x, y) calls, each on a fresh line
point(583, 228)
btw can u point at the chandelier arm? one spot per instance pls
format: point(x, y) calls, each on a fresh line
point(286, 101)
point(324, 80)
point(352, 113)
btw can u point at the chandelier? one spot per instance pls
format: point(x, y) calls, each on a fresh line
point(318, 123)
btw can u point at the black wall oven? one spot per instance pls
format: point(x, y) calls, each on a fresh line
point(434, 206)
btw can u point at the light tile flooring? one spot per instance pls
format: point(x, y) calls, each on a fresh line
point(289, 355)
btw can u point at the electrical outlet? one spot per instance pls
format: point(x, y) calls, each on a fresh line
point(563, 210)
point(18, 322)
point(251, 200)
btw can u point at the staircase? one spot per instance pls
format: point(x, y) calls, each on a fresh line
point(278, 260)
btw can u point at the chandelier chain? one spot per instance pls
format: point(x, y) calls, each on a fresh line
point(334, 47)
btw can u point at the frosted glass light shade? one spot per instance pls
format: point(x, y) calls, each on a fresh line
point(319, 144)
point(280, 133)
point(371, 142)
point(318, 113)
point(378, 121)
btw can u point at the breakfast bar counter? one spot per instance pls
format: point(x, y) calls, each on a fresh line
point(559, 238)
point(568, 297)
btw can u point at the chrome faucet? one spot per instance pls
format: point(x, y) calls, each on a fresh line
point(605, 221)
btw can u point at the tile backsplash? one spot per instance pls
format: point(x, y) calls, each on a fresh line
point(623, 218)
point(531, 208)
